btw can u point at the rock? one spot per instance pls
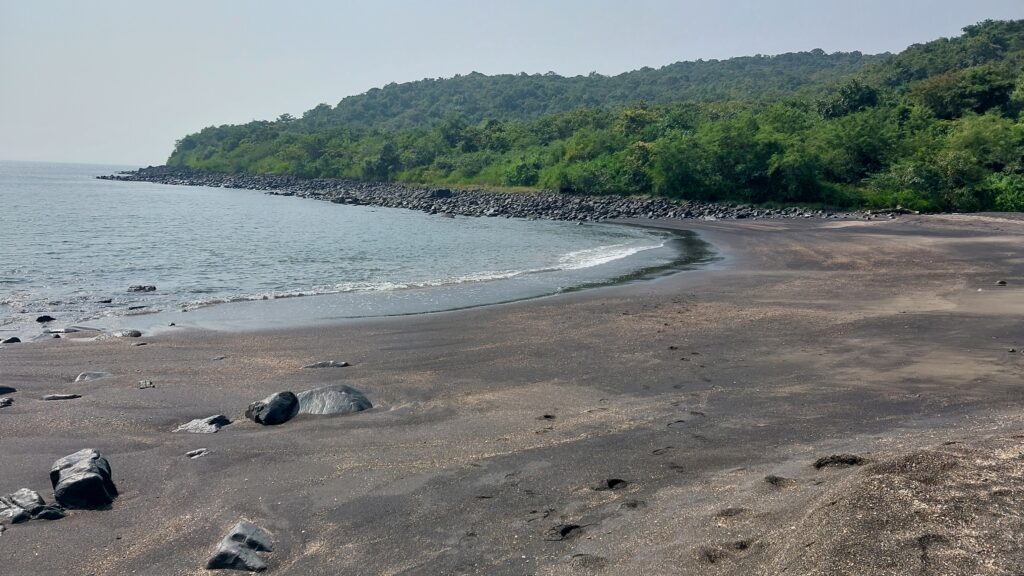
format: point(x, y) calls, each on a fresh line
point(332, 400)
point(11, 340)
point(142, 288)
point(237, 550)
point(778, 481)
point(127, 334)
point(562, 532)
point(45, 318)
point(838, 461)
point(251, 536)
point(274, 409)
point(5, 402)
point(232, 556)
point(193, 454)
point(83, 480)
point(328, 364)
point(7, 390)
point(1000, 282)
point(610, 484)
point(87, 376)
point(204, 425)
point(139, 344)
point(105, 301)
point(27, 504)
point(61, 396)
point(143, 384)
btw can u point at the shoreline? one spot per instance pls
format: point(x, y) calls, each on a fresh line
point(480, 203)
point(495, 426)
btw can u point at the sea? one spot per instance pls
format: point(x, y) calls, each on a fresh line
point(71, 246)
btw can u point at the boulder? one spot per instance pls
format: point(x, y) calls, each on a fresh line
point(7, 389)
point(274, 409)
point(83, 480)
point(237, 550)
point(332, 400)
point(86, 376)
point(207, 425)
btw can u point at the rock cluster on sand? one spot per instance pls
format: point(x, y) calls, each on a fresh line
point(83, 480)
point(25, 505)
point(545, 205)
point(207, 425)
point(237, 551)
point(274, 409)
point(332, 400)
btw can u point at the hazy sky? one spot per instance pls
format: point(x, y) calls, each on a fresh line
point(119, 82)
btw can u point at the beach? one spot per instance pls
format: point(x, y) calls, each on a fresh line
point(665, 426)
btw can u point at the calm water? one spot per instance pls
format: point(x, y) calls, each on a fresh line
point(70, 242)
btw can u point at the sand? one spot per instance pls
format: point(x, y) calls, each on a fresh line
point(493, 426)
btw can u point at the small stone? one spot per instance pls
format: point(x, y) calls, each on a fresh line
point(11, 340)
point(5, 402)
point(610, 484)
point(45, 318)
point(274, 409)
point(328, 364)
point(196, 453)
point(127, 334)
point(207, 425)
point(61, 396)
point(562, 532)
point(142, 288)
point(87, 376)
point(1000, 282)
point(838, 461)
point(143, 384)
point(140, 344)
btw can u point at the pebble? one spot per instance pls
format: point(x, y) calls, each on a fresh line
point(61, 396)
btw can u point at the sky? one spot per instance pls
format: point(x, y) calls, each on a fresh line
point(117, 82)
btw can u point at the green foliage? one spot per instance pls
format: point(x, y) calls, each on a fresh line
point(936, 127)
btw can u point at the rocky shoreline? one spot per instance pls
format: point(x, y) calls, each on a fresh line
point(542, 205)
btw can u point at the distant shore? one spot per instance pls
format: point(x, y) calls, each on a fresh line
point(542, 205)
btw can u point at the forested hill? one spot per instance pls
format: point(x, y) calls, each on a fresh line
point(935, 127)
point(476, 97)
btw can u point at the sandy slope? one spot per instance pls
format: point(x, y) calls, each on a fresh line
point(883, 339)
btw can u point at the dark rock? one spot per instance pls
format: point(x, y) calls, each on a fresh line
point(25, 504)
point(610, 484)
point(139, 344)
point(12, 513)
point(83, 480)
point(127, 334)
point(207, 425)
point(49, 512)
point(5, 402)
point(1000, 282)
point(251, 536)
point(332, 400)
point(232, 556)
point(778, 481)
point(838, 461)
point(328, 364)
point(11, 340)
point(143, 384)
point(142, 288)
point(61, 396)
point(87, 376)
point(237, 550)
point(274, 409)
point(105, 301)
point(7, 390)
point(562, 532)
point(45, 318)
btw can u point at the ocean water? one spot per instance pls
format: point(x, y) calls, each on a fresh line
point(71, 245)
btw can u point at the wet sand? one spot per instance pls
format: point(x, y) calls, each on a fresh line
point(493, 426)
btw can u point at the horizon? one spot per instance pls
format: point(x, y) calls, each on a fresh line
point(136, 88)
